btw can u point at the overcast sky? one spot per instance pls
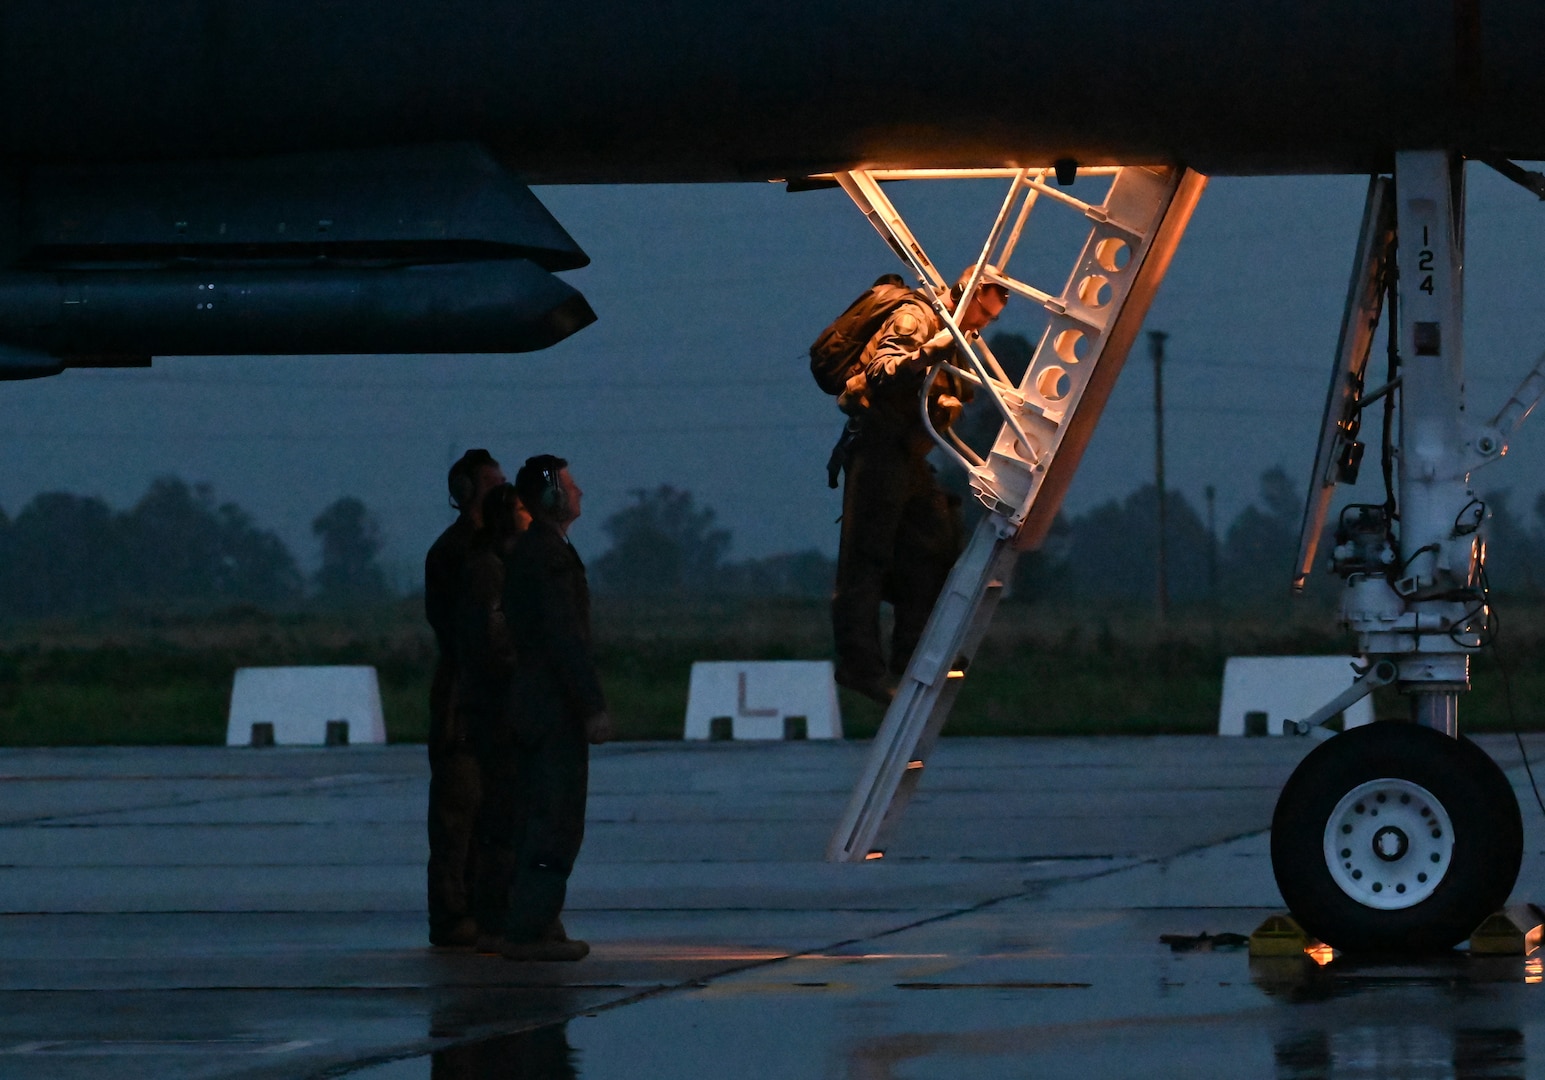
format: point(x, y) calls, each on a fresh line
point(696, 373)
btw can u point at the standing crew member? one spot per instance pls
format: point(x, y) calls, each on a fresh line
point(485, 659)
point(454, 786)
point(556, 707)
point(901, 533)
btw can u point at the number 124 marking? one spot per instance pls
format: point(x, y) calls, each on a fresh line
point(1424, 260)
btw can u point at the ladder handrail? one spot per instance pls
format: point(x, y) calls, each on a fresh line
point(962, 345)
point(1012, 243)
point(922, 408)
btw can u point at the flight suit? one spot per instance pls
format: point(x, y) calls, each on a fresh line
point(554, 689)
point(484, 658)
point(901, 532)
point(455, 783)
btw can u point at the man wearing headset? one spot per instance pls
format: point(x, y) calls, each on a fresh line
point(454, 782)
point(901, 533)
point(556, 710)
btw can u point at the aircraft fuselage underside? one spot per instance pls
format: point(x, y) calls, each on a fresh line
point(694, 90)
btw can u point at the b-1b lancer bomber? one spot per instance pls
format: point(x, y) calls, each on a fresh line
point(278, 176)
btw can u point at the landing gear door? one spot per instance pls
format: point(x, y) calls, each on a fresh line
point(1339, 451)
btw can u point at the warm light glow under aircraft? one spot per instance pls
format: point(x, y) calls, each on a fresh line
point(278, 176)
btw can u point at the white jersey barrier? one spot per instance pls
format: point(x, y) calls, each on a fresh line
point(763, 699)
point(305, 706)
point(1260, 692)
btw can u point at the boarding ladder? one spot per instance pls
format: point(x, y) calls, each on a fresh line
point(1047, 420)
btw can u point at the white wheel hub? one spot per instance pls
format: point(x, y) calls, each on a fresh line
point(1388, 844)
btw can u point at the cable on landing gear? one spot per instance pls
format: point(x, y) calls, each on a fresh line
point(1391, 375)
point(1512, 717)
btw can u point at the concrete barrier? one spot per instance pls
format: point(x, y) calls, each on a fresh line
point(1259, 692)
point(763, 699)
point(305, 706)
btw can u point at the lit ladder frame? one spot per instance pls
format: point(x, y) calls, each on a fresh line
point(1035, 423)
point(965, 605)
point(863, 188)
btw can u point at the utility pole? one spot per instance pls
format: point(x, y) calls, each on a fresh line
point(1212, 544)
point(1212, 568)
point(1156, 349)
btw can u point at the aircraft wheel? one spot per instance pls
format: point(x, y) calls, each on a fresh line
point(1395, 838)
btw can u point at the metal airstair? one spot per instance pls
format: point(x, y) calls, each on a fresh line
point(1047, 420)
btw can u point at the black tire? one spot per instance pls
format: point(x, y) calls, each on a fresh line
point(1479, 855)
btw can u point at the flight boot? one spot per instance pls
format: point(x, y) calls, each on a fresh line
point(460, 934)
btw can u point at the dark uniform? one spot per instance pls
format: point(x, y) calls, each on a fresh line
point(484, 659)
point(455, 787)
point(901, 533)
point(554, 690)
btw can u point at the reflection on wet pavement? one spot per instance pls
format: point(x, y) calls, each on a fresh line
point(1306, 978)
point(1419, 1044)
point(1413, 1051)
point(542, 1054)
point(991, 994)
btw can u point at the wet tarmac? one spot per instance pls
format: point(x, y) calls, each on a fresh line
point(188, 913)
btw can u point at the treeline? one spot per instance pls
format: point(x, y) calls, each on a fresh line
point(1110, 553)
point(664, 542)
point(176, 549)
point(180, 550)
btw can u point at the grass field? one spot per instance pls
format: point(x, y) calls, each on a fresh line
point(1041, 671)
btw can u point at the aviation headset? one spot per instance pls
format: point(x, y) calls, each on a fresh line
point(958, 289)
point(462, 480)
point(540, 488)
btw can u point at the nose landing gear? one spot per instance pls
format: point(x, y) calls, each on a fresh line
point(1401, 836)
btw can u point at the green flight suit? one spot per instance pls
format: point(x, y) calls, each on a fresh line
point(455, 783)
point(485, 657)
point(554, 689)
point(901, 532)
